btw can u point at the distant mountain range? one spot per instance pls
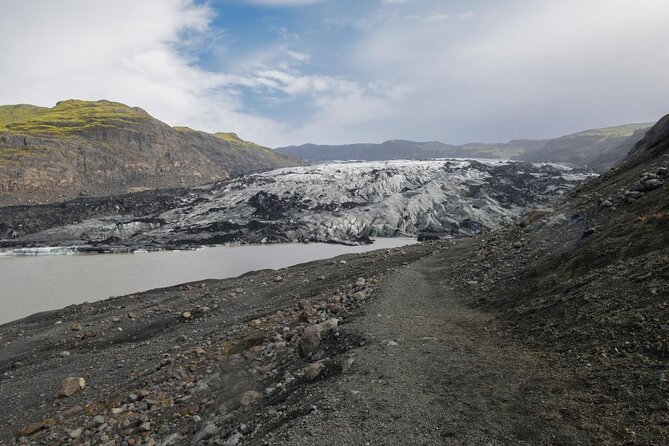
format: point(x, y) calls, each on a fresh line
point(598, 149)
point(103, 148)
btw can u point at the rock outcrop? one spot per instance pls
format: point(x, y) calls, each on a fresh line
point(105, 148)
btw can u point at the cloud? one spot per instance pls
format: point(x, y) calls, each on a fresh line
point(330, 74)
point(522, 70)
point(127, 51)
point(283, 2)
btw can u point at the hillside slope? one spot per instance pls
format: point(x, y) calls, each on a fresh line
point(104, 148)
point(597, 148)
point(402, 149)
point(590, 281)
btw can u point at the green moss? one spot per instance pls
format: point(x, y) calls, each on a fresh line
point(613, 132)
point(236, 141)
point(183, 129)
point(68, 117)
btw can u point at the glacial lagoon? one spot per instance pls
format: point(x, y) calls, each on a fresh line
point(34, 283)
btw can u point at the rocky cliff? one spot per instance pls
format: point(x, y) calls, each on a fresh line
point(103, 148)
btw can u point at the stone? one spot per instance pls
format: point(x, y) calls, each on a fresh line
point(239, 290)
point(76, 433)
point(310, 340)
point(248, 397)
point(145, 427)
point(313, 371)
point(606, 204)
point(346, 364)
point(75, 326)
point(278, 279)
point(535, 215)
point(588, 232)
point(651, 184)
point(329, 324)
point(132, 315)
point(89, 334)
point(37, 426)
point(207, 431)
point(186, 315)
point(360, 282)
point(71, 385)
point(359, 295)
point(98, 420)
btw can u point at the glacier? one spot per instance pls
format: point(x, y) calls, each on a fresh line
point(348, 202)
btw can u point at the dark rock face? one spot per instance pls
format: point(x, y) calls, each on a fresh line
point(337, 203)
point(103, 148)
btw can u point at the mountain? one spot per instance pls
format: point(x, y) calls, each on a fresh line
point(597, 148)
point(102, 148)
point(401, 149)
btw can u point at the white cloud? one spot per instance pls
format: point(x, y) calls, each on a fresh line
point(523, 70)
point(518, 70)
point(125, 51)
point(298, 56)
point(283, 2)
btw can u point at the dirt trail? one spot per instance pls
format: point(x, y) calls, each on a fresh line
point(451, 378)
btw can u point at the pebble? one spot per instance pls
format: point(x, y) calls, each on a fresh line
point(98, 420)
point(313, 371)
point(76, 433)
point(248, 397)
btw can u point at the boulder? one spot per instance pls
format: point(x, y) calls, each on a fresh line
point(310, 340)
point(71, 385)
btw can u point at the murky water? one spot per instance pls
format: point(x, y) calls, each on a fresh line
point(29, 284)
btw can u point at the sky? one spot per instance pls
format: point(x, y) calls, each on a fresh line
point(282, 72)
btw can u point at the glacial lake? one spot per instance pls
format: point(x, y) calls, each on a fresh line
point(30, 284)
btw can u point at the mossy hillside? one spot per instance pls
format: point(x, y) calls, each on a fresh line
point(620, 131)
point(234, 141)
point(68, 117)
point(10, 114)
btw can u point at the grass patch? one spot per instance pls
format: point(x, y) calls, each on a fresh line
point(67, 117)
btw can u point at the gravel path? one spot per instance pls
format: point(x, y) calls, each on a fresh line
point(434, 371)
